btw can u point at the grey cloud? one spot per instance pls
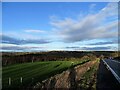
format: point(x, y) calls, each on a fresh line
point(11, 40)
point(72, 47)
point(21, 48)
point(90, 27)
point(13, 48)
point(97, 48)
point(104, 48)
point(105, 43)
point(7, 39)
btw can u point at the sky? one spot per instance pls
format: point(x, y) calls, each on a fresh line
point(69, 26)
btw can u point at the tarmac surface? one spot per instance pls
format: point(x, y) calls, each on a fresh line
point(105, 78)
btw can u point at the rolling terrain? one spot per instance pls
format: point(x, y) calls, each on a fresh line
point(76, 70)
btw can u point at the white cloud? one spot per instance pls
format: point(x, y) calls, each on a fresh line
point(92, 26)
point(35, 31)
point(92, 6)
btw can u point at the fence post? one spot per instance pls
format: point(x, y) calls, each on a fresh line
point(21, 79)
point(9, 81)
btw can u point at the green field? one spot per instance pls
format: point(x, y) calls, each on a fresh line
point(32, 73)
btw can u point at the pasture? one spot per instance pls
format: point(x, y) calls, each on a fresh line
point(28, 74)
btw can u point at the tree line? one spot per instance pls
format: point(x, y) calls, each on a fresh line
point(22, 57)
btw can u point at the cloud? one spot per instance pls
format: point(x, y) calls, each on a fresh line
point(102, 48)
point(105, 43)
point(72, 47)
point(13, 48)
point(19, 47)
point(11, 40)
point(92, 26)
point(35, 31)
point(92, 6)
point(97, 48)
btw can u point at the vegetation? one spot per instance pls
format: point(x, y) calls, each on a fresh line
point(27, 74)
point(88, 81)
point(23, 57)
point(24, 69)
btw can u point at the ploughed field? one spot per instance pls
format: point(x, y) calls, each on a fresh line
point(28, 74)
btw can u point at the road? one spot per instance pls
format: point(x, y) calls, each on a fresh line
point(114, 67)
point(105, 78)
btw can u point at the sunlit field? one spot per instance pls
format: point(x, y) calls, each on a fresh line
point(27, 74)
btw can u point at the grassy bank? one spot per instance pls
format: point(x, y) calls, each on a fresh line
point(88, 80)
